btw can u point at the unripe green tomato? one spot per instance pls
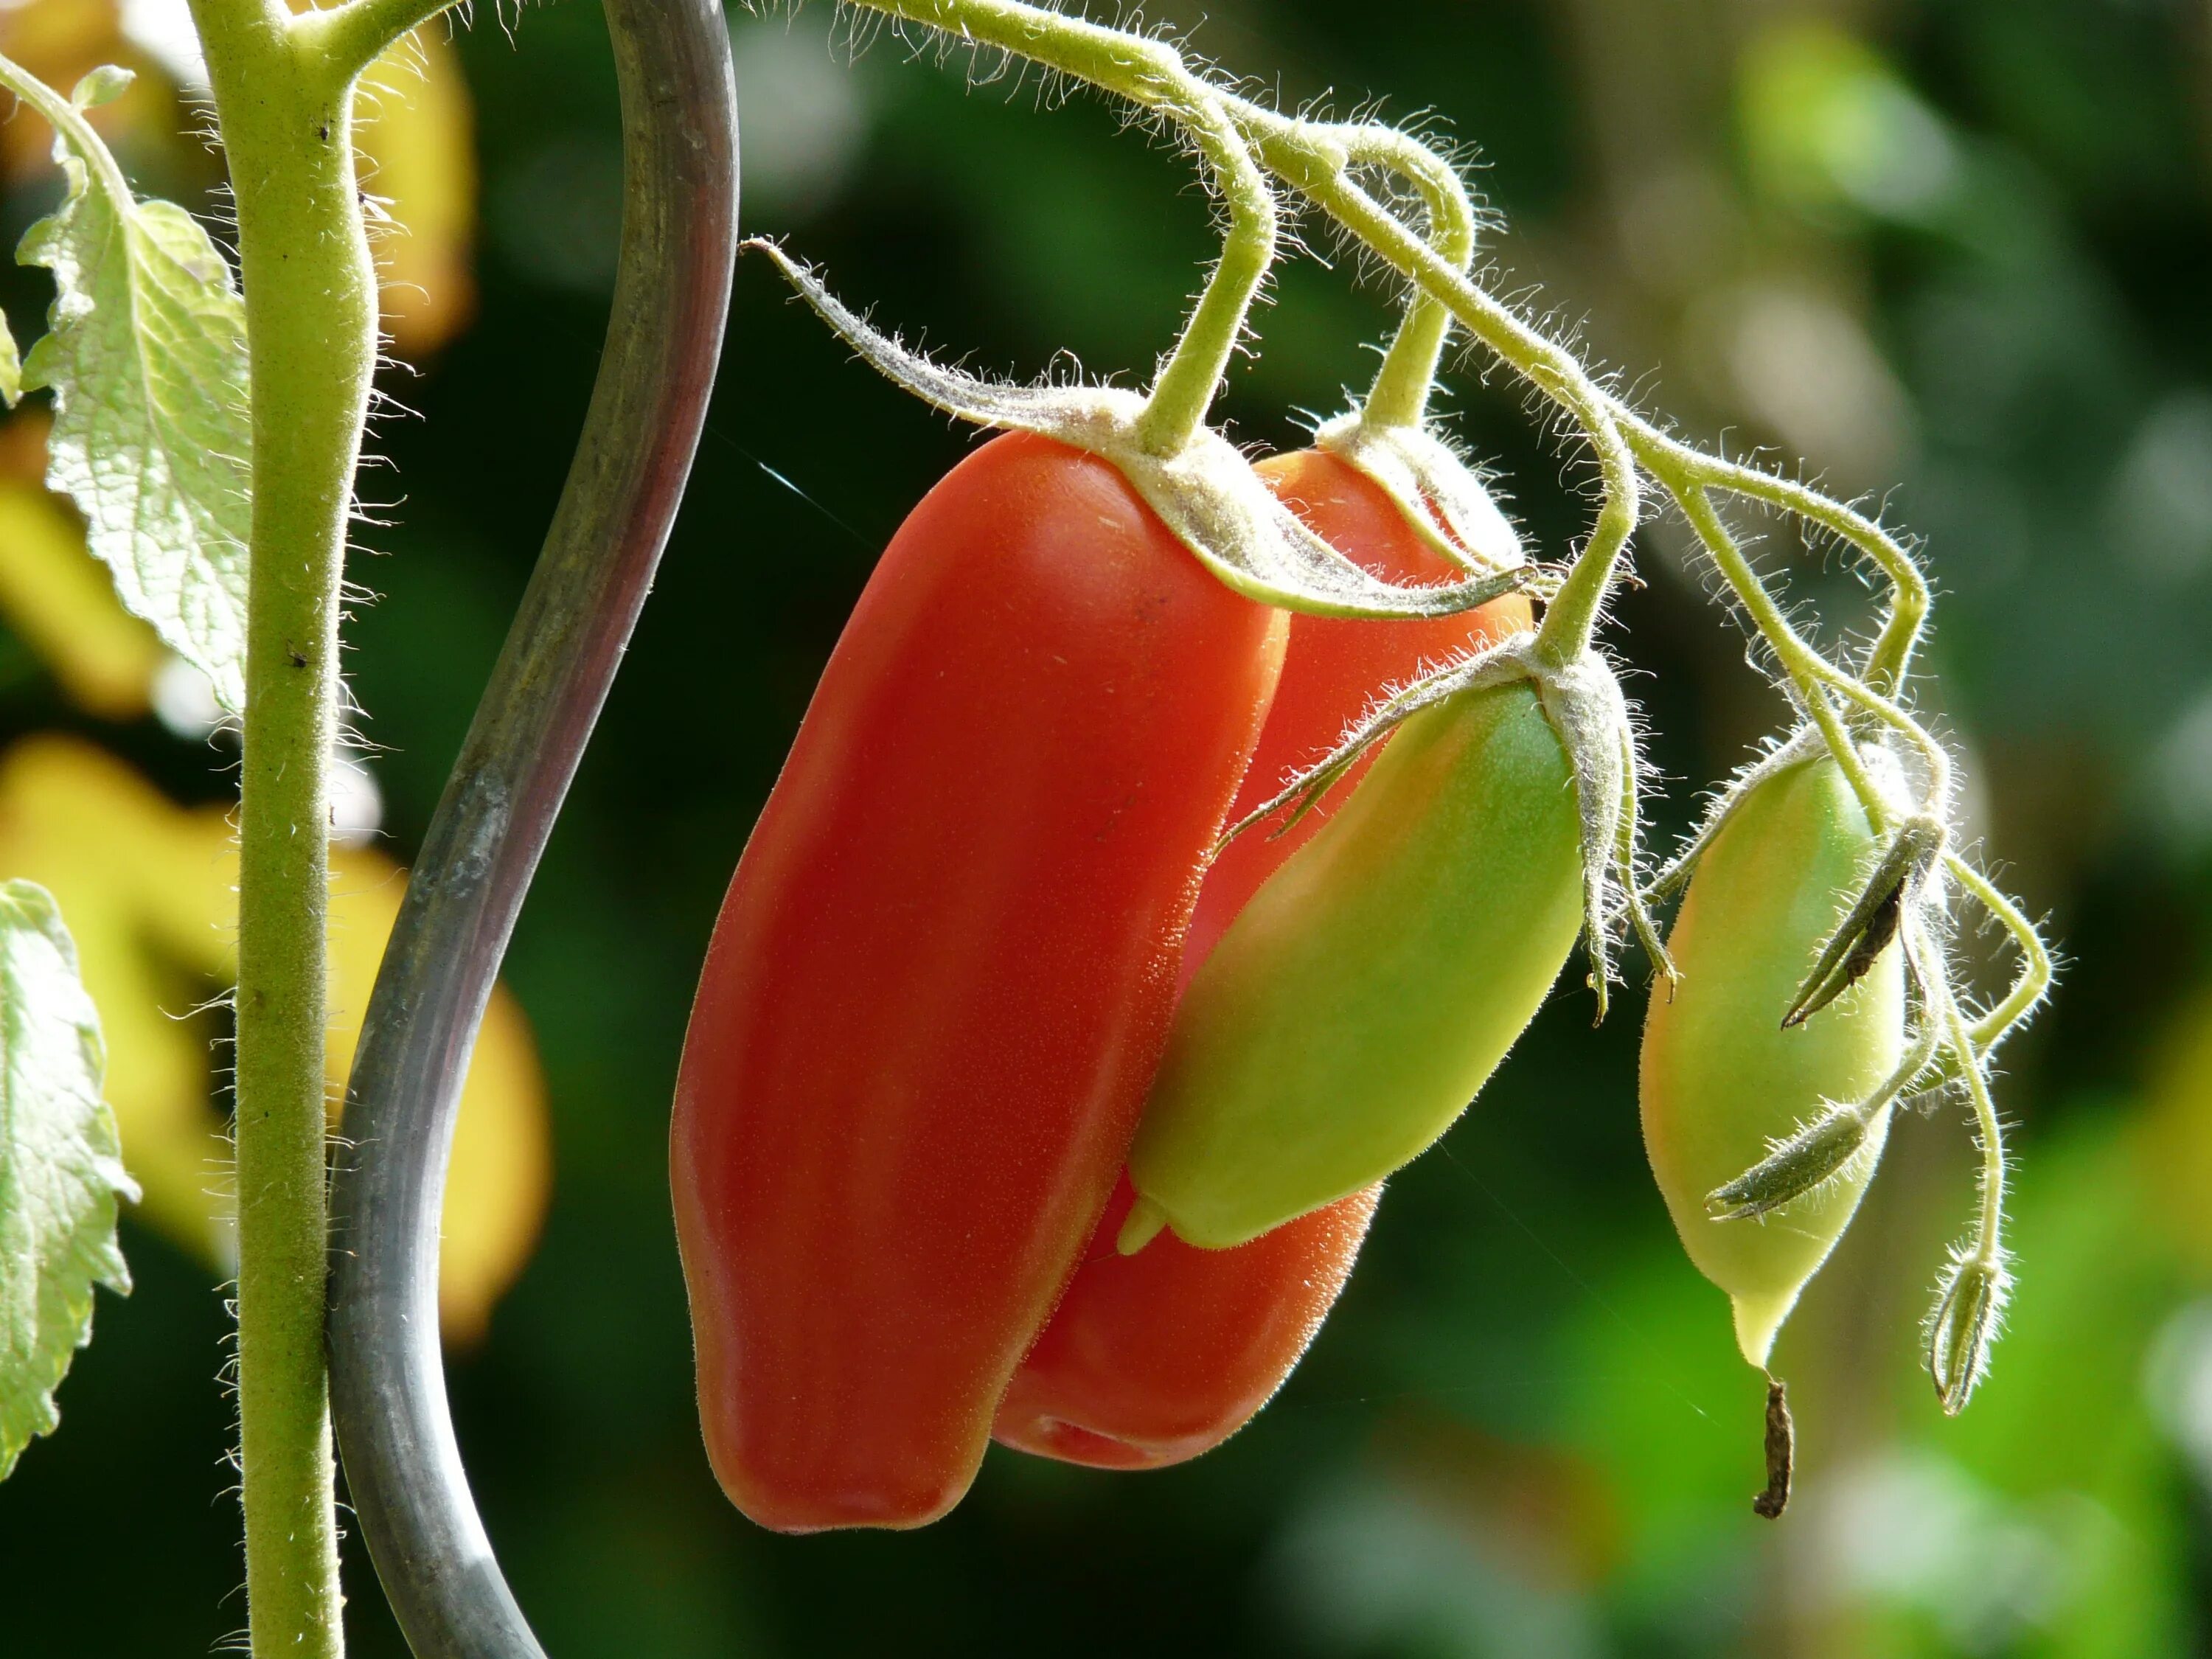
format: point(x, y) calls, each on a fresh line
point(1372, 984)
point(1721, 1076)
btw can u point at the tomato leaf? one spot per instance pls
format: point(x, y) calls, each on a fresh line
point(61, 1169)
point(147, 362)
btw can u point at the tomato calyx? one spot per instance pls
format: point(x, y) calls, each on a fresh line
point(1583, 703)
point(1801, 1163)
point(1875, 919)
point(1207, 492)
point(1823, 1151)
point(1445, 502)
point(1970, 1305)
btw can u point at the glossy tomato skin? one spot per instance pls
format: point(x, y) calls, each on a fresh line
point(1335, 669)
point(1155, 1357)
point(1721, 1078)
point(1152, 1359)
point(1368, 990)
point(941, 979)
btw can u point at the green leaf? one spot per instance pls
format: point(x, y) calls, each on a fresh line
point(103, 85)
point(147, 361)
point(61, 1169)
point(11, 367)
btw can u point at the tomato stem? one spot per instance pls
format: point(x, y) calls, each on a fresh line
point(348, 39)
point(2033, 982)
point(1523, 349)
point(1989, 1246)
point(1152, 75)
point(1399, 396)
point(283, 94)
point(284, 111)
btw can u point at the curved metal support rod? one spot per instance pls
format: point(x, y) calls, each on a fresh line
point(671, 295)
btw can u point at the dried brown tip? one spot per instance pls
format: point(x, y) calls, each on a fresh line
point(1781, 1453)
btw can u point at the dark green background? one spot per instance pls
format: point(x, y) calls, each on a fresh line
point(1525, 1431)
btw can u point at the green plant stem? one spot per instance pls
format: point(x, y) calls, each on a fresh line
point(2033, 982)
point(1151, 74)
point(1399, 396)
point(1317, 166)
point(1795, 656)
point(1988, 1234)
point(1812, 673)
point(346, 40)
point(1315, 158)
point(1889, 658)
point(284, 108)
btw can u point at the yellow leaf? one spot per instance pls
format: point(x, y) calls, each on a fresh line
point(415, 131)
point(149, 890)
point(57, 597)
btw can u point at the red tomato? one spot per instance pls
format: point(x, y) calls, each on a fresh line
point(1155, 1357)
point(941, 980)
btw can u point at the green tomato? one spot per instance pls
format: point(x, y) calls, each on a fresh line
point(1372, 984)
point(1723, 1080)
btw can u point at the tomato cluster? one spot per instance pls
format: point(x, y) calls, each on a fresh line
point(945, 974)
point(1023, 1100)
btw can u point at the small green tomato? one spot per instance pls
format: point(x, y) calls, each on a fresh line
point(1371, 986)
point(1724, 1080)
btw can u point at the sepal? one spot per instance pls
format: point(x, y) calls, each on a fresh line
point(1207, 492)
point(1444, 501)
point(1873, 923)
point(1584, 704)
point(1970, 1304)
point(1499, 665)
point(1801, 1164)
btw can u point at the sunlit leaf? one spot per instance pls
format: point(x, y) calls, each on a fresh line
point(59, 41)
point(61, 1172)
point(56, 597)
point(146, 357)
point(150, 889)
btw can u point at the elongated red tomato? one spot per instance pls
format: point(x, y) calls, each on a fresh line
point(940, 981)
point(1155, 1357)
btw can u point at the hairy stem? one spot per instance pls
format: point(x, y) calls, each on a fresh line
point(1151, 74)
point(1989, 1132)
point(1890, 657)
point(1318, 167)
point(1399, 396)
point(1796, 657)
point(1445, 192)
point(284, 105)
point(2033, 982)
point(348, 39)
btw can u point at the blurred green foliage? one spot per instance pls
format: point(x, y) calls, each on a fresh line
point(1950, 250)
